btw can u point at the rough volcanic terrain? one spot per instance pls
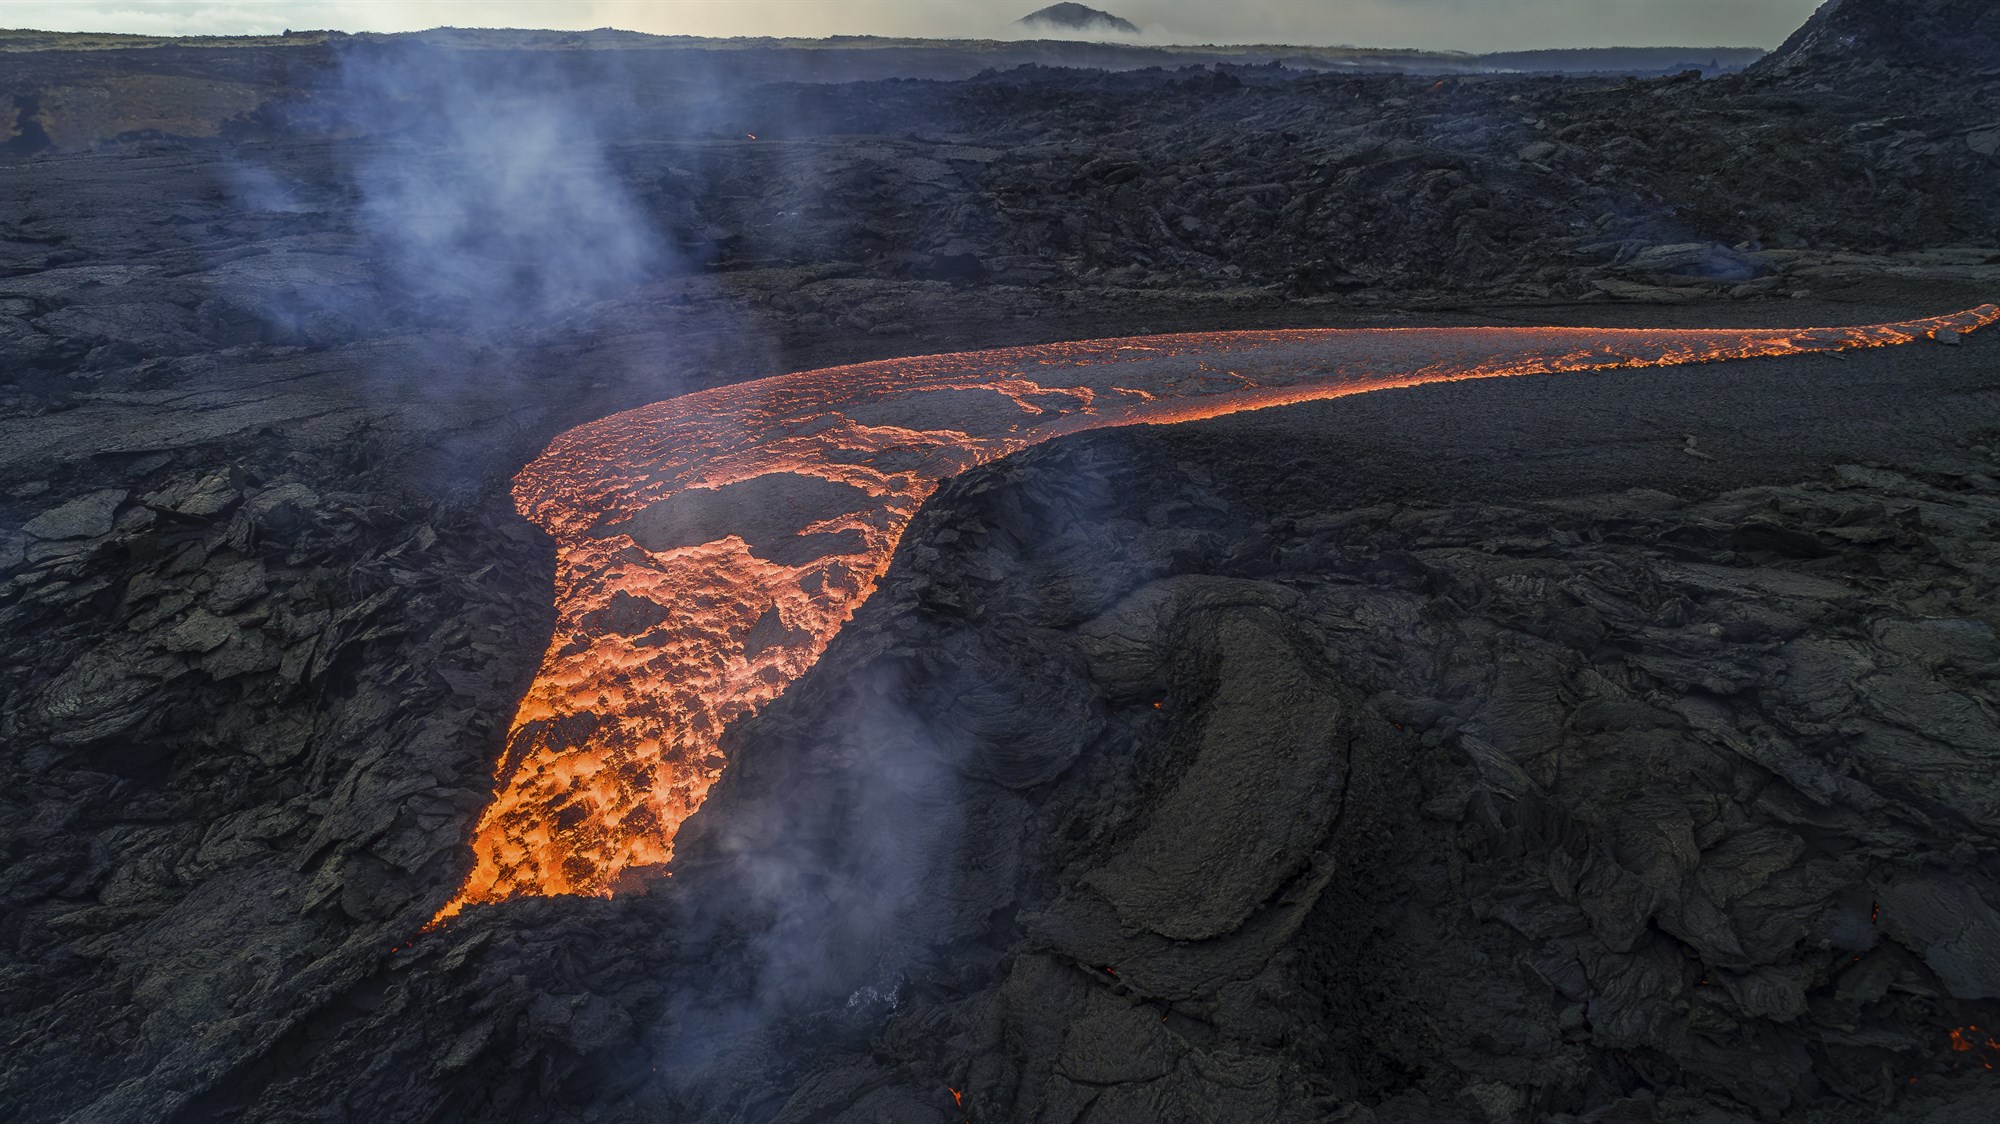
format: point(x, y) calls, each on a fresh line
point(1610, 747)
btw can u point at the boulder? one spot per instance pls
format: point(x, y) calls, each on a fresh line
point(84, 517)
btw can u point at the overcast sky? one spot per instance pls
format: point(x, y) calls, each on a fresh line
point(1472, 25)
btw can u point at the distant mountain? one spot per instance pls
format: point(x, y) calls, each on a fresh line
point(1074, 18)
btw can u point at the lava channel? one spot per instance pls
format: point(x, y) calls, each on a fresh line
point(711, 545)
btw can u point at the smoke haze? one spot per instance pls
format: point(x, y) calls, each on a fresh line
point(509, 208)
point(482, 195)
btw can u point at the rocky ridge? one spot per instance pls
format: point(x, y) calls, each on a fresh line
point(1947, 37)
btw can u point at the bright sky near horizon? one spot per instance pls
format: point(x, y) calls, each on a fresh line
point(1470, 25)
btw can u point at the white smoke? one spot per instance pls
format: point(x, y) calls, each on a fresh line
point(497, 199)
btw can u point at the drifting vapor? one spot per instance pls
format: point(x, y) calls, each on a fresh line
point(497, 198)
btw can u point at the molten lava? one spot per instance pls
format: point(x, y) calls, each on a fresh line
point(1981, 1046)
point(710, 546)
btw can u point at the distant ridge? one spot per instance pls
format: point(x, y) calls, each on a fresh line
point(1076, 17)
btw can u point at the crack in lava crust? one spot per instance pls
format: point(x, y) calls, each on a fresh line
point(710, 546)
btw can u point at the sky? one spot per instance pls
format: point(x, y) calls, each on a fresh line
point(1469, 25)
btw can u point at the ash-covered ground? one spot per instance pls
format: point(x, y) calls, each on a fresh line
point(1605, 748)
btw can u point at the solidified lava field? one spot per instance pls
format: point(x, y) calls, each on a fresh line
point(538, 583)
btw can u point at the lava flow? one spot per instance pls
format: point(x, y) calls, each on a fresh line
point(710, 546)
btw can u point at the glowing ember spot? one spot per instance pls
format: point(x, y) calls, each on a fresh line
point(710, 546)
point(1982, 1046)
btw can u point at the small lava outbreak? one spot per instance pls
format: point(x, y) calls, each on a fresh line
point(710, 546)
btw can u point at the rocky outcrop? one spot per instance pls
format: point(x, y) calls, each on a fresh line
point(1931, 35)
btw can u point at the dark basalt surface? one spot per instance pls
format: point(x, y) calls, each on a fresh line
point(1472, 804)
point(1864, 34)
point(1510, 759)
point(1614, 748)
point(1371, 189)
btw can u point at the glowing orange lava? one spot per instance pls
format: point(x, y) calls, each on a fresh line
point(710, 546)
